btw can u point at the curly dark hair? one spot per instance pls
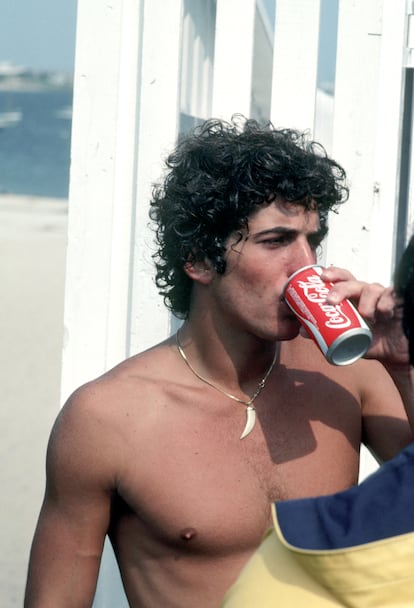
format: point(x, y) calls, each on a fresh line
point(218, 175)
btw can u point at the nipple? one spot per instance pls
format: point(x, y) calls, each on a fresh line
point(187, 534)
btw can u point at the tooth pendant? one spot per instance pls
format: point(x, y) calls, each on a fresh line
point(250, 421)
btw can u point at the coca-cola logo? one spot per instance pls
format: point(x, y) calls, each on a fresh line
point(316, 291)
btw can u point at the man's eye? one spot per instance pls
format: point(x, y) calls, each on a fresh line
point(273, 242)
point(279, 240)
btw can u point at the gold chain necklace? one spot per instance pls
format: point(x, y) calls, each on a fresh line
point(250, 409)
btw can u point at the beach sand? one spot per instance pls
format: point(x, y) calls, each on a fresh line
point(32, 270)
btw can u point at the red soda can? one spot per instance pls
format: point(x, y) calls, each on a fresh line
point(339, 330)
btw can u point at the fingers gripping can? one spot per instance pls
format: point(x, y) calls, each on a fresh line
point(339, 330)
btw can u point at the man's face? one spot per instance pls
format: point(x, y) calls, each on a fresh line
point(281, 238)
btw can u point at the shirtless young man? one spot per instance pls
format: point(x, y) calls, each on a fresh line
point(151, 454)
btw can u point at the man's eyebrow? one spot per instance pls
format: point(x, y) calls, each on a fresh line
point(286, 230)
point(275, 230)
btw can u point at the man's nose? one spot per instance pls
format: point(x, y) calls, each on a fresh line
point(304, 254)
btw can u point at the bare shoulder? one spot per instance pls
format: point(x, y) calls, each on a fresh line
point(365, 382)
point(364, 376)
point(126, 385)
point(103, 416)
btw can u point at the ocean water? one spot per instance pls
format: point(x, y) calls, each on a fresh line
point(35, 152)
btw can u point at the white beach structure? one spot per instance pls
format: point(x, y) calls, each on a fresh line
point(146, 70)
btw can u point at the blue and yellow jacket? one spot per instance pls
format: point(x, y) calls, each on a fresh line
point(354, 548)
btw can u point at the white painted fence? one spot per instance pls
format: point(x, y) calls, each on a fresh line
point(147, 68)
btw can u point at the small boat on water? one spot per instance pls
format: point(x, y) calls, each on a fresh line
point(10, 118)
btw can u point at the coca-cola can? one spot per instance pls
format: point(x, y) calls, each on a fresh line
point(339, 330)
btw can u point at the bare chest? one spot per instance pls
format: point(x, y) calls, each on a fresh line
point(202, 489)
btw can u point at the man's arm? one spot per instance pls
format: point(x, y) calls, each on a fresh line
point(74, 518)
point(385, 428)
point(388, 398)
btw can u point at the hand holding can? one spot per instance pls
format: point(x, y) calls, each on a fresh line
point(339, 330)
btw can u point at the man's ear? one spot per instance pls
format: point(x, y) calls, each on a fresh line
point(201, 271)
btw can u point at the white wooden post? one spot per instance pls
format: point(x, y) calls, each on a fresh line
point(295, 63)
point(122, 128)
point(125, 119)
point(158, 107)
point(101, 189)
point(233, 58)
point(388, 144)
point(366, 139)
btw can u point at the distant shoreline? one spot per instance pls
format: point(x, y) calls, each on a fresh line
point(22, 79)
point(32, 87)
point(35, 215)
point(9, 198)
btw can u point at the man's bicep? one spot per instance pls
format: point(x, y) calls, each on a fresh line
point(65, 558)
point(74, 518)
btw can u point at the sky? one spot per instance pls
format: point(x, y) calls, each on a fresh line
point(38, 34)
